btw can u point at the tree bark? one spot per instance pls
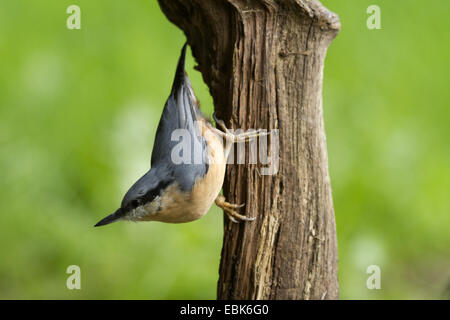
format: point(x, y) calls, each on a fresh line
point(263, 62)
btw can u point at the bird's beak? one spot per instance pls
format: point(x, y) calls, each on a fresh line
point(113, 217)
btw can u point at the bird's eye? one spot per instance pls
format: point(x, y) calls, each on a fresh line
point(135, 203)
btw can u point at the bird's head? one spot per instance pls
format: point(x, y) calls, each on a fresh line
point(142, 199)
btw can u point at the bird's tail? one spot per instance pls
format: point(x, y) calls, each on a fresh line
point(180, 75)
point(187, 103)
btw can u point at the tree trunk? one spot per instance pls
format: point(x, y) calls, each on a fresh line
point(263, 62)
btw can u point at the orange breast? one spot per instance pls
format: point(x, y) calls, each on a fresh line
point(181, 207)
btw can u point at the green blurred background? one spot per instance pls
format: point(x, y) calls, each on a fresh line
point(78, 113)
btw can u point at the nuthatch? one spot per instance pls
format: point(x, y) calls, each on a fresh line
point(182, 192)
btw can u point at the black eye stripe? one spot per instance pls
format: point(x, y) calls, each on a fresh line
point(153, 193)
point(135, 203)
point(149, 196)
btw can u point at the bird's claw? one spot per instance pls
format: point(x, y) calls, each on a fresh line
point(232, 214)
point(239, 137)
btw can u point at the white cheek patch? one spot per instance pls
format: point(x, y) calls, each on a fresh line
point(149, 209)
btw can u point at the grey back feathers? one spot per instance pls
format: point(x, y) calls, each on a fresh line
point(180, 112)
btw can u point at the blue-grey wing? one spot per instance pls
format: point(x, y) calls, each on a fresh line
point(179, 146)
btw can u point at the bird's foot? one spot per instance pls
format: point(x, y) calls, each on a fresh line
point(240, 137)
point(229, 209)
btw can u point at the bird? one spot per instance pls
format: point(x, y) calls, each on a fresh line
point(178, 192)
